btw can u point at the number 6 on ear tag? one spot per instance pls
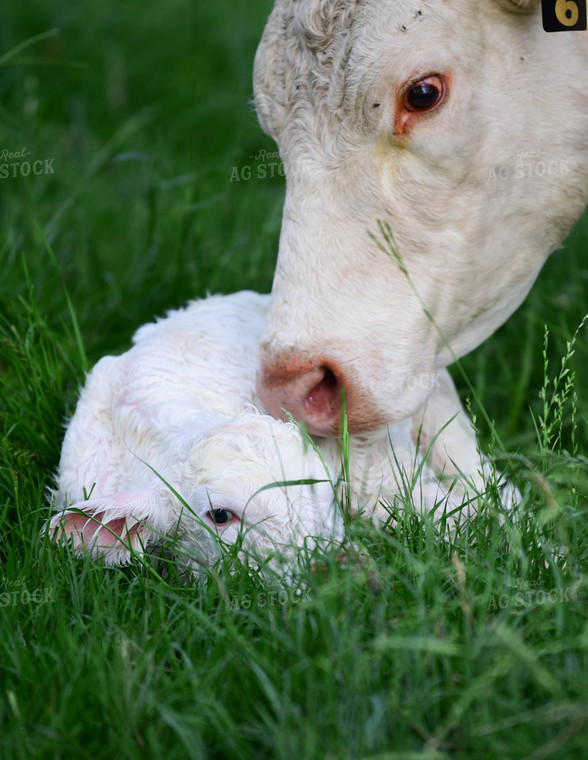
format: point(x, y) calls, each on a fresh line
point(564, 15)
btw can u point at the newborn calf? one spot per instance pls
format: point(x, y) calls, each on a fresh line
point(168, 439)
point(173, 417)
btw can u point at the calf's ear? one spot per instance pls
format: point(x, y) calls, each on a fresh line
point(114, 526)
point(519, 6)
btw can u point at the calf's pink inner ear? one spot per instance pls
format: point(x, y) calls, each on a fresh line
point(105, 526)
point(87, 530)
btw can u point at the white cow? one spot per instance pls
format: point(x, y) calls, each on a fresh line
point(165, 440)
point(462, 126)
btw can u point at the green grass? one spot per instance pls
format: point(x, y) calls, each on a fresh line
point(470, 647)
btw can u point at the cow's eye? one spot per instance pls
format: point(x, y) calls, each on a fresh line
point(425, 94)
point(221, 516)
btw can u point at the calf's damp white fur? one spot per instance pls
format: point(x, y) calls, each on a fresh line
point(174, 413)
point(178, 413)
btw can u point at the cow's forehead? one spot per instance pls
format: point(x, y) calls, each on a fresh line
point(319, 57)
point(305, 51)
point(323, 20)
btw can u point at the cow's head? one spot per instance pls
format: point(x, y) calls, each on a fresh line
point(460, 124)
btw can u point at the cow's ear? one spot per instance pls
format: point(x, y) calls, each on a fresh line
point(114, 526)
point(519, 6)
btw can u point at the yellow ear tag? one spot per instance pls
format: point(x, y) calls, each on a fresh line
point(564, 15)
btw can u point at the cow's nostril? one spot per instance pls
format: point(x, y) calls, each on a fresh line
point(309, 391)
point(325, 397)
point(312, 391)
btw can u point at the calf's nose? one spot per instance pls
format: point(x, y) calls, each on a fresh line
point(309, 391)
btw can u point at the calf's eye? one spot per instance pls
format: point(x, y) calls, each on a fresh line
point(222, 516)
point(425, 94)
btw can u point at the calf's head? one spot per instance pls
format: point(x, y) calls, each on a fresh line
point(460, 124)
point(252, 480)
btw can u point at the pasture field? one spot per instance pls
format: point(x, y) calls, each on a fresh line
point(150, 183)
